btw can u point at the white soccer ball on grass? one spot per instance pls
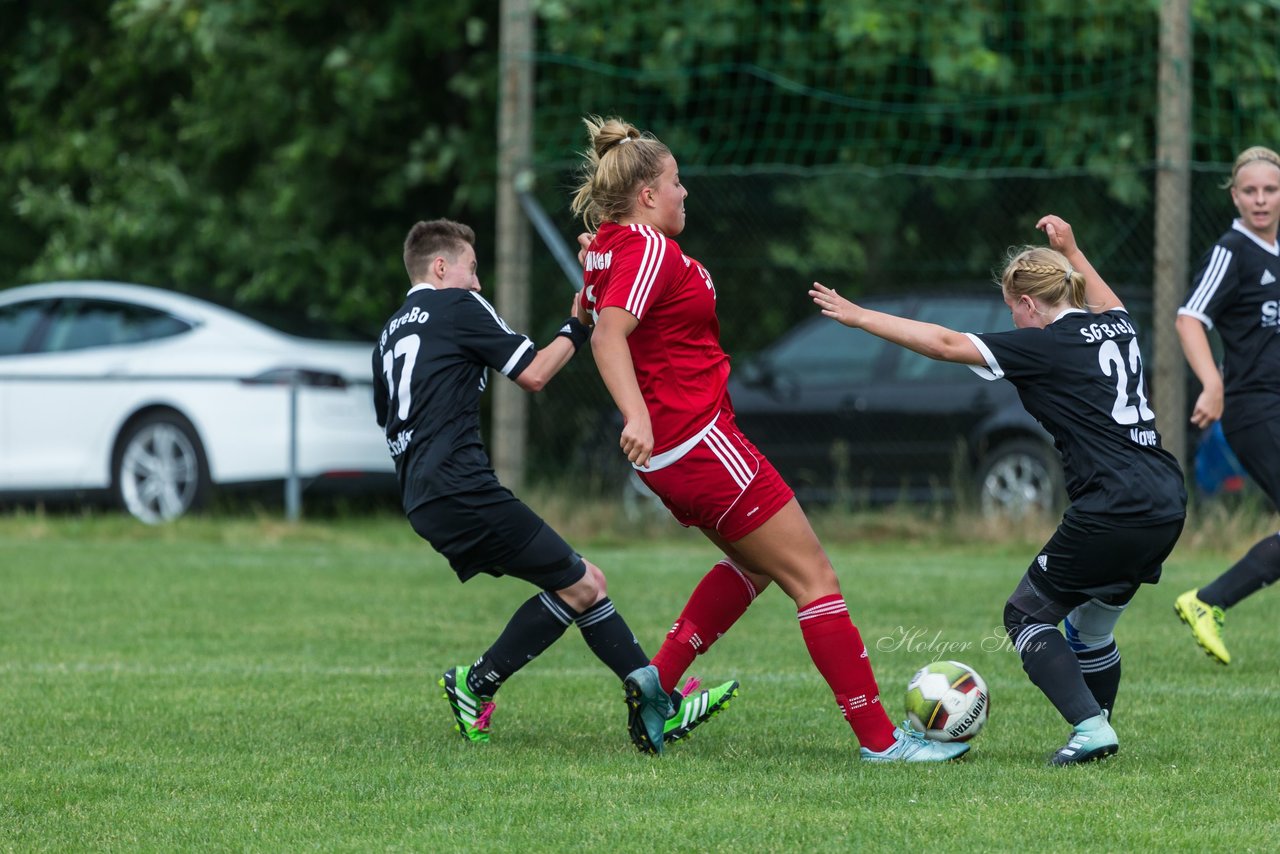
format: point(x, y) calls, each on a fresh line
point(947, 701)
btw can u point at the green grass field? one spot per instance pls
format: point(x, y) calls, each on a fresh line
point(247, 685)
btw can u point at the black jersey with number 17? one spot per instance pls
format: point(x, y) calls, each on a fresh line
point(429, 370)
point(1081, 377)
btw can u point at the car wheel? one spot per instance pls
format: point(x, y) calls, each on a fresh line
point(1019, 478)
point(159, 471)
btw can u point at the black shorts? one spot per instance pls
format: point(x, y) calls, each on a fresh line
point(1258, 449)
point(1087, 558)
point(495, 533)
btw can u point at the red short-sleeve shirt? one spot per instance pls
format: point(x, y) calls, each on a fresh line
point(681, 369)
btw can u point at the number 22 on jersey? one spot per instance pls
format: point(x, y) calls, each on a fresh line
point(1113, 362)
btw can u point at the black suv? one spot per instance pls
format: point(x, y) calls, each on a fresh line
point(851, 419)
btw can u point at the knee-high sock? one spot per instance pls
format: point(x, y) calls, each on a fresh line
point(838, 652)
point(721, 597)
point(1055, 670)
point(1101, 670)
point(535, 625)
point(609, 637)
point(1259, 567)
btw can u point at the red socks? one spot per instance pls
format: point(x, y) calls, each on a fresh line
point(723, 595)
point(837, 649)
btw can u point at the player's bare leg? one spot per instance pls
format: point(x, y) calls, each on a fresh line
point(786, 549)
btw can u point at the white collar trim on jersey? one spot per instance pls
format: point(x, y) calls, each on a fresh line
point(421, 286)
point(1065, 312)
point(1273, 248)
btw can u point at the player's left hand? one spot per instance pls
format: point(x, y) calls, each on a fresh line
point(835, 306)
point(1058, 230)
point(584, 243)
point(1208, 408)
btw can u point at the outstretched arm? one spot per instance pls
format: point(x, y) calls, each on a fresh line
point(927, 339)
point(1097, 293)
point(548, 361)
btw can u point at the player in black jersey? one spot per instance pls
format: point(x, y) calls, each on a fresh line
point(1237, 292)
point(430, 367)
point(1075, 360)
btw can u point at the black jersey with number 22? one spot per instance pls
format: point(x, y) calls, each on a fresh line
point(429, 370)
point(1081, 377)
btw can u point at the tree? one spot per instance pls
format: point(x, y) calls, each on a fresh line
point(259, 153)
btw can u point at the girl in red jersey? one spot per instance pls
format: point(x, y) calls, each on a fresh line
point(657, 345)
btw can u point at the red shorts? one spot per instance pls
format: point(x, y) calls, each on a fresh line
point(722, 482)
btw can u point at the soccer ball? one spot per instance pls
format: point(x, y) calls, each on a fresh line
point(947, 701)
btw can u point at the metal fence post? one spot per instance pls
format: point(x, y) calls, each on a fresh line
point(508, 445)
point(1173, 218)
point(292, 487)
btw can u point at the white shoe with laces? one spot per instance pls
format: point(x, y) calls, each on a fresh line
point(911, 746)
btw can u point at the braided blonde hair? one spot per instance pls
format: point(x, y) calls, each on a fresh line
point(1043, 274)
point(620, 160)
point(1251, 155)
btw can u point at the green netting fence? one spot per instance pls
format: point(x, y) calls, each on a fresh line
point(890, 147)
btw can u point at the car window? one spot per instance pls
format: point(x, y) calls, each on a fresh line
point(17, 322)
point(826, 352)
point(79, 324)
point(980, 314)
point(306, 324)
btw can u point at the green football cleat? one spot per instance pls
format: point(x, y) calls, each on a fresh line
point(1092, 739)
point(911, 746)
point(648, 708)
point(471, 712)
point(1205, 621)
point(697, 707)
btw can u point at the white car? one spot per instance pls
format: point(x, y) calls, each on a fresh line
point(153, 398)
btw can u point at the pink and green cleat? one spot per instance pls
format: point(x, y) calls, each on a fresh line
point(697, 706)
point(471, 712)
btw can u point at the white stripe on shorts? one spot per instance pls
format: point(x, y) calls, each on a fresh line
point(730, 456)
